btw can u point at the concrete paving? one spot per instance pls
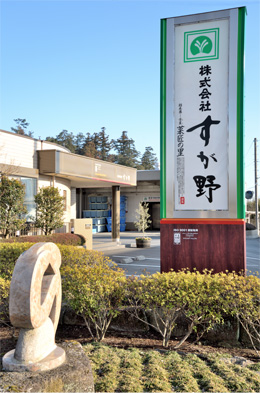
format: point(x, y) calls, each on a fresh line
point(147, 260)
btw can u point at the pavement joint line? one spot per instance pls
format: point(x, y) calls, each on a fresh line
point(257, 259)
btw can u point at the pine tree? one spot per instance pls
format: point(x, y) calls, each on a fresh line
point(126, 151)
point(66, 139)
point(89, 147)
point(79, 143)
point(104, 145)
point(149, 160)
point(21, 127)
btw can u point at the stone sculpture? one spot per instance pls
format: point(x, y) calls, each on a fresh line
point(35, 303)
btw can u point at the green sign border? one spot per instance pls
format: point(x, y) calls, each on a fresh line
point(163, 119)
point(240, 113)
point(199, 32)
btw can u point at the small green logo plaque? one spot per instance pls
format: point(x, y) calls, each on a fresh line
point(201, 45)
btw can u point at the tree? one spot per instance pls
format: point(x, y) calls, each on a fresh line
point(142, 218)
point(251, 205)
point(12, 194)
point(90, 148)
point(149, 159)
point(50, 209)
point(51, 139)
point(79, 143)
point(104, 145)
point(21, 126)
point(127, 153)
point(66, 139)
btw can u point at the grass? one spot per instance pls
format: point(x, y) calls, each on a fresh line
point(134, 370)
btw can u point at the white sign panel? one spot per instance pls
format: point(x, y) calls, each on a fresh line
point(201, 115)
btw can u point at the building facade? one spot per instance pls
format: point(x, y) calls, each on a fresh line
point(40, 163)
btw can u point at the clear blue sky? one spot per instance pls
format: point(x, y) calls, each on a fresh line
point(83, 65)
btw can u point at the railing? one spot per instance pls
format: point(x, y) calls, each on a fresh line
point(30, 230)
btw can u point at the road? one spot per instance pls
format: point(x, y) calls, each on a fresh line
point(150, 257)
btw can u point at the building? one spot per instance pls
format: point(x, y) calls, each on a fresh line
point(40, 163)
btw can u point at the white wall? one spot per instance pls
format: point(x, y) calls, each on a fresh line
point(133, 200)
point(20, 150)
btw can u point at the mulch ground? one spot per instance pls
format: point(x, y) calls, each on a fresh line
point(8, 339)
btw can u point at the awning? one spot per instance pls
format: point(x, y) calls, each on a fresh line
point(84, 171)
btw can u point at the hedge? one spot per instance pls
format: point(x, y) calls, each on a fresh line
point(92, 284)
point(71, 256)
point(4, 300)
point(96, 292)
point(204, 300)
point(68, 239)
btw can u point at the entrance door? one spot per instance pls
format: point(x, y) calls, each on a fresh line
point(154, 210)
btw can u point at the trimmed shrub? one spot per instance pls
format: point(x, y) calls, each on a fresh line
point(70, 256)
point(165, 296)
point(68, 239)
point(203, 299)
point(95, 292)
point(9, 253)
point(4, 300)
point(241, 299)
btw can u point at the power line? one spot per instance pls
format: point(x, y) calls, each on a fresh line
point(250, 147)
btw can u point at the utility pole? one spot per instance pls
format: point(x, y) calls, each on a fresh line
point(256, 189)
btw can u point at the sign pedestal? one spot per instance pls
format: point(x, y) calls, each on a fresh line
point(218, 244)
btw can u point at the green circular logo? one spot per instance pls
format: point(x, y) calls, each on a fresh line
point(202, 44)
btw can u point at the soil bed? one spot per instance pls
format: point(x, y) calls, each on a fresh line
point(125, 340)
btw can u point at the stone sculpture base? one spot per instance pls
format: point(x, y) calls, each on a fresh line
point(35, 350)
point(74, 375)
point(53, 360)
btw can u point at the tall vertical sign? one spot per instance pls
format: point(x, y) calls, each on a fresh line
point(202, 60)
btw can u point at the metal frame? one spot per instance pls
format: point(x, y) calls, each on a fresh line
point(235, 123)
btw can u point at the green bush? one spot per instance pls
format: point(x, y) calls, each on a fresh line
point(166, 296)
point(95, 289)
point(95, 292)
point(9, 253)
point(79, 256)
point(242, 300)
point(68, 239)
point(4, 300)
point(203, 299)
point(70, 256)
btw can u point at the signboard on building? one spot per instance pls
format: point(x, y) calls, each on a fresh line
point(202, 115)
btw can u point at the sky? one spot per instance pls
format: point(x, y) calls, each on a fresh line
point(82, 65)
